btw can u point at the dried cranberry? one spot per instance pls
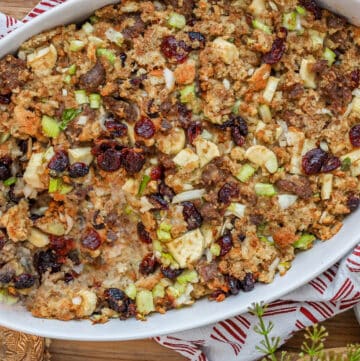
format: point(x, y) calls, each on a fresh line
point(157, 200)
point(101, 146)
point(184, 115)
point(353, 202)
point(12, 196)
point(313, 161)
point(239, 129)
point(330, 164)
point(170, 273)
point(248, 283)
point(145, 128)
point(5, 171)
point(78, 170)
point(174, 50)
point(238, 139)
point(61, 245)
point(115, 128)
point(216, 294)
point(59, 162)
point(74, 257)
point(123, 58)
point(5, 99)
point(115, 299)
point(47, 261)
point(196, 36)
point(167, 192)
point(68, 277)
point(313, 7)
point(132, 160)
point(2, 242)
point(193, 131)
point(191, 215)
point(227, 192)
point(156, 173)
point(137, 81)
point(24, 281)
point(355, 135)
point(7, 276)
point(355, 79)
point(234, 284)
point(225, 243)
point(110, 160)
point(277, 51)
point(143, 234)
point(148, 264)
point(91, 240)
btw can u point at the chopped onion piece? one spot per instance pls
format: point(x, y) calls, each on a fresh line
point(83, 119)
point(115, 36)
point(270, 89)
point(286, 200)
point(237, 209)
point(188, 195)
point(169, 79)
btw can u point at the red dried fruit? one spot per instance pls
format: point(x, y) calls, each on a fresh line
point(115, 298)
point(110, 160)
point(174, 50)
point(313, 161)
point(248, 283)
point(148, 264)
point(277, 51)
point(330, 164)
point(193, 131)
point(156, 173)
point(59, 162)
point(225, 243)
point(132, 160)
point(145, 128)
point(68, 277)
point(355, 135)
point(143, 234)
point(318, 161)
point(158, 201)
point(313, 7)
point(91, 240)
point(78, 170)
point(24, 281)
point(239, 129)
point(234, 284)
point(170, 273)
point(5, 171)
point(115, 128)
point(61, 245)
point(102, 145)
point(167, 192)
point(191, 215)
point(199, 38)
point(353, 202)
point(47, 261)
point(355, 79)
point(227, 192)
point(5, 99)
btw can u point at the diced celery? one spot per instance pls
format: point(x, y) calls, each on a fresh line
point(235, 108)
point(131, 291)
point(95, 101)
point(301, 10)
point(157, 246)
point(305, 241)
point(257, 24)
point(115, 36)
point(145, 302)
point(317, 38)
point(108, 54)
point(76, 45)
point(88, 28)
point(93, 19)
point(54, 185)
point(6, 298)
point(245, 173)
point(177, 290)
point(283, 267)
point(188, 276)
point(177, 21)
point(346, 164)
point(163, 235)
point(10, 181)
point(50, 127)
point(81, 97)
point(144, 182)
point(290, 21)
point(128, 210)
point(265, 189)
point(4, 137)
point(166, 227)
point(237, 209)
point(187, 94)
point(167, 259)
point(96, 41)
point(206, 135)
point(67, 79)
point(330, 56)
point(72, 69)
point(265, 240)
point(158, 291)
point(65, 188)
point(68, 116)
point(265, 113)
point(215, 249)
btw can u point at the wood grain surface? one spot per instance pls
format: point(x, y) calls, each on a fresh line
point(343, 328)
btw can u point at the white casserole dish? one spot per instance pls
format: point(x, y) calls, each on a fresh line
point(305, 267)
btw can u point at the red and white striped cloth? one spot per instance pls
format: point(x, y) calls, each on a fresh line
point(335, 291)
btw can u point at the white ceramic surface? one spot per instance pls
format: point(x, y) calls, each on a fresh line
point(306, 266)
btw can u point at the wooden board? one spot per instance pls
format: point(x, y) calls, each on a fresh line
point(343, 329)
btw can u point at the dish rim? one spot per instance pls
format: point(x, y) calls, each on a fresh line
point(174, 320)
